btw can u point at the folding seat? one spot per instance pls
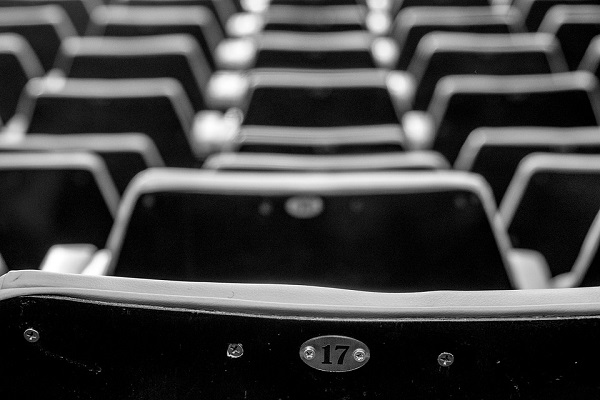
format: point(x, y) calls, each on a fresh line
point(44, 27)
point(124, 155)
point(199, 22)
point(52, 198)
point(406, 161)
point(591, 59)
point(534, 11)
point(18, 64)
point(461, 104)
point(441, 54)
point(79, 11)
point(333, 50)
point(199, 337)
point(574, 27)
point(174, 56)
point(495, 153)
point(157, 107)
point(414, 23)
point(383, 231)
point(550, 205)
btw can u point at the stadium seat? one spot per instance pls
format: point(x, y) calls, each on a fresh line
point(18, 64)
point(461, 104)
point(201, 337)
point(272, 162)
point(534, 11)
point(441, 54)
point(199, 22)
point(52, 198)
point(173, 56)
point(550, 204)
point(574, 27)
point(44, 27)
point(125, 154)
point(157, 107)
point(414, 23)
point(495, 153)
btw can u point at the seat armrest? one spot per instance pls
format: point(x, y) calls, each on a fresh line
point(566, 280)
point(244, 24)
point(419, 130)
point(401, 86)
point(378, 22)
point(68, 258)
point(99, 264)
point(385, 52)
point(227, 89)
point(529, 269)
point(214, 132)
point(236, 54)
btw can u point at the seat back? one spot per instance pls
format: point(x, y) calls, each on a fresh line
point(331, 18)
point(534, 11)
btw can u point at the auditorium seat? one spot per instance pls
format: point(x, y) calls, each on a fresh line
point(495, 153)
point(50, 199)
point(333, 50)
point(550, 204)
point(441, 54)
point(461, 104)
point(18, 64)
point(199, 22)
point(534, 11)
point(78, 10)
point(273, 162)
point(44, 27)
point(125, 154)
point(157, 107)
point(173, 56)
point(574, 27)
point(414, 23)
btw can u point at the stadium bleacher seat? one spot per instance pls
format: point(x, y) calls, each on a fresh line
point(550, 204)
point(199, 22)
point(574, 27)
point(18, 64)
point(157, 107)
point(495, 153)
point(173, 56)
point(125, 154)
point(44, 27)
point(52, 198)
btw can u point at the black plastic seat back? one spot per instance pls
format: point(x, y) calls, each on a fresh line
point(52, 199)
point(470, 102)
point(239, 230)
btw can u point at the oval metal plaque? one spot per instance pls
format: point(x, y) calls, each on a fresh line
point(304, 207)
point(334, 353)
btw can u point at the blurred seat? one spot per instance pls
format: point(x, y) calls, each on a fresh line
point(333, 50)
point(495, 153)
point(43, 27)
point(157, 107)
point(463, 103)
point(52, 198)
point(534, 11)
point(417, 160)
point(574, 27)
point(550, 205)
point(441, 54)
point(414, 23)
point(199, 22)
point(125, 154)
point(173, 56)
point(18, 64)
point(382, 231)
point(78, 10)
point(190, 328)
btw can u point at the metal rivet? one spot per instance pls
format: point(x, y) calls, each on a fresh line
point(235, 350)
point(359, 355)
point(31, 335)
point(309, 352)
point(445, 359)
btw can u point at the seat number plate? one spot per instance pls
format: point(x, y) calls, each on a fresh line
point(334, 353)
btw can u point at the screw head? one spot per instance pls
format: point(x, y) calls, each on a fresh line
point(235, 350)
point(445, 359)
point(309, 353)
point(31, 335)
point(359, 355)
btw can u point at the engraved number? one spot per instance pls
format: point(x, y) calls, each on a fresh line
point(327, 354)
